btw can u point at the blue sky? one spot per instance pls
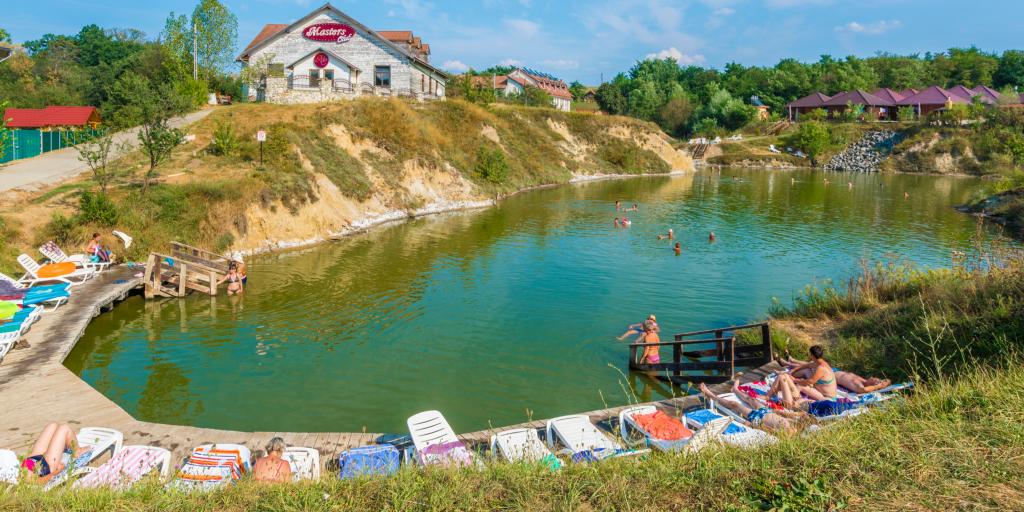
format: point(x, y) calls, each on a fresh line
point(583, 39)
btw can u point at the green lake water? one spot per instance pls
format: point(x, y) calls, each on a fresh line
point(499, 315)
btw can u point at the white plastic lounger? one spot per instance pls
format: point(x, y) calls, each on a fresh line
point(520, 445)
point(305, 462)
point(129, 465)
point(735, 434)
point(583, 440)
point(32, 273)
point(701, 438)
point(93, 442)
point(56, 255)
point(10, 469)
point(435, 441)
point(213, 466)
point(55, 294)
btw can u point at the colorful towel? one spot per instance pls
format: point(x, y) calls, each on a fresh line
point(662, 426)
point(125, 468)
point(379, 460)
point(454, 453)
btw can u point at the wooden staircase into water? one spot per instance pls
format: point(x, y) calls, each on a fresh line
point(187, 269)
point(708, 360)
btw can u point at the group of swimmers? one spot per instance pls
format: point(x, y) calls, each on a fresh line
point(624, 222)
point(57, 446)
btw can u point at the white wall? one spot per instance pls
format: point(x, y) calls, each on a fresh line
point(341, 71)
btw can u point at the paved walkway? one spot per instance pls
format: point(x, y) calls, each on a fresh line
point(36, 389)
point(56, 166)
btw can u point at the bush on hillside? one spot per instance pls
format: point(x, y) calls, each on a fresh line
point(96, 209)
point(491, 164)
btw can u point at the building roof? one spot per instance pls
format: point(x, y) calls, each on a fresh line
point(273, 30)
point(933, 95)
point(988, 94)
point(50, 116)
point(858, 98)
point(962, 91)
point(397, 36)
point(547, 83)
point(908, 92)
point(888, 94)
point(269, 30)
point(813, 100)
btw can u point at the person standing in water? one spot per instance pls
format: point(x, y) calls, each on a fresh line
point(617, 223)
point(618, 205)
point(669, 236)
point(679, 249)
point(651, 355)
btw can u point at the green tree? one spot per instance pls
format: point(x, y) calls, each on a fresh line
point(5, 37)
point(906, 114)
point(150, 107)
point(645, 101)
point(675, 115)
point(1010, 72)
point(215, 30)
point(96, 154)
point(611, 99)
point(578, 90)
point(812, 138)
point(5, 132)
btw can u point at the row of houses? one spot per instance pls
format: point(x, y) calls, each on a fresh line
point(519, 79)
point(883, 104)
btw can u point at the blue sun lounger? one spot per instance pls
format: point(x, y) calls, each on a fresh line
point(380, 460)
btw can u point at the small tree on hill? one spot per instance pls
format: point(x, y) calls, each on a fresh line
point(150, 108)
point(5, 133)
point(97, 153)
point(812, 138)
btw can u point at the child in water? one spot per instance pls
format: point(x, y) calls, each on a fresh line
point(626, 222)
point(679, 249)
point(638, 329)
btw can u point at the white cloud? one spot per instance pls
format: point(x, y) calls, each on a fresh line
point(522, 28)
point(680, 57)
point(455, 65)
point(871, 29)
point(717, 18)
point(412, 9)
point(562, 64)
point(511, 62)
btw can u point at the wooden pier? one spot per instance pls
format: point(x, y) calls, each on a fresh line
point(187, 269)
point(707, 360)
point(36, 388)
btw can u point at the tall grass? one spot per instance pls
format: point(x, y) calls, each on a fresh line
point(956, 444)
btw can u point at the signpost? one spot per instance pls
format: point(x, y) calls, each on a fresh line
point(261, 136)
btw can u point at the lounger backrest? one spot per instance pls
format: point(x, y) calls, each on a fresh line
point(100, 439)
point(29, 264)
point(50, 250)
point(521, 444)
point(428, 428)
point(5, 277)
point(305, 462)
point(577, 433)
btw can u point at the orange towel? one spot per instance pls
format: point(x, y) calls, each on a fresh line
point(662, 426)
point(56, 269)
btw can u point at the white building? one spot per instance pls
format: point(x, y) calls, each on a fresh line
point(327, 55)
point(518, 80)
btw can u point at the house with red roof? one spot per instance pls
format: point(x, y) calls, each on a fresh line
point(934, 99)
point(53, 118)
point(806, 104)
point(327, 55)
point(875, 107)
point(520, 78)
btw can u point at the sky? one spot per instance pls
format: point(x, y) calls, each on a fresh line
point(586, 40)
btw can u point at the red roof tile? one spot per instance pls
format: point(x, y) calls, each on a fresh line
point(50, 116)
point(396, 36)
point(988, 94)
point(961, 91)
point(813, 100)
point(888, 94)
point(908, 92)
point(269, 30)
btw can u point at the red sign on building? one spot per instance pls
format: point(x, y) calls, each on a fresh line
point(321, 60)
point(329, 33)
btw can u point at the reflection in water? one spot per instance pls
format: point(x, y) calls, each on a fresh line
point(488, 314)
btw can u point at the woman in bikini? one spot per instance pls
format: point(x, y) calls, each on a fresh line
point(650, 335)
point(235, 286)
point(848, 380)
point(51, 454)
point(273, 468)
point(821, 385)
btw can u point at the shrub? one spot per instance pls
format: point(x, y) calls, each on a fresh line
point(906, 114)
point(60, 229)
point(225, 142)
point(491, 164)
point(96, 209)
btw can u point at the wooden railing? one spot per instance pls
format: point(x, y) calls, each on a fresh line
point(168, 276)
point(342, 85)
point(200, 256)
point(709, 359)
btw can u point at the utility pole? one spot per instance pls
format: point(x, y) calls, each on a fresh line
point(195, 50)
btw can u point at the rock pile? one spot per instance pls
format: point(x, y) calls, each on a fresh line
point(863, 155)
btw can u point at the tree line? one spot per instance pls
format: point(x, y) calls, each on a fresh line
point(694, 99)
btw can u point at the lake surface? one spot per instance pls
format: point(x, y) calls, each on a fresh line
point(501, 315)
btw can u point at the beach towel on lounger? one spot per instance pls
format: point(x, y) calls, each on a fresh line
point(663, 427)
point(454, 453)
point(382, 460)
point(827, 408)
point(126, 467)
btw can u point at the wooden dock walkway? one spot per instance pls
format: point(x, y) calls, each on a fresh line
point(36, 388)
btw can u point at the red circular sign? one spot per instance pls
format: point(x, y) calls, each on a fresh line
point(320, 60)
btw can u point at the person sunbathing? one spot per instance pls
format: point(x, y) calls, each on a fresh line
point(272, 468)
point(52, 452)
point(787, 393)
point(755, 412)
point(821, 381)
point(848, 380)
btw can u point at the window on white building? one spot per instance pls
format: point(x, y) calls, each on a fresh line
point(382, 76)
point(329, 75)
point(314, 78)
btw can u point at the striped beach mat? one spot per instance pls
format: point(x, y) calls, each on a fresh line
point(125, 468)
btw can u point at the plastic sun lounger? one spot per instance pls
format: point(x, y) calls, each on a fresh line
point(93, 442)
point(379, 460)
point(53, 293)
point(55, 254)
point(698, 440)
point(305, 462)
point(520, 445)
point(211, 466)
point(735, 434)
point(580, 437)
point(32, 273)
point(129, 465)
point(435, 441)
point(10, 469)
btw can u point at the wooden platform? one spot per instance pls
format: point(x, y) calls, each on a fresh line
point(36, 388)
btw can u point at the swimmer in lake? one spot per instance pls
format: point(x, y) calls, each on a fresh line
point(618, 223)
point(679, 249)
point(618, 205)
point(711, 237)
point(626, 222)
point(669, 236)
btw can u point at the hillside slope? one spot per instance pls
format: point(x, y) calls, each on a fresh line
point(331, 169)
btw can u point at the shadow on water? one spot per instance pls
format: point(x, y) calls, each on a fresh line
point(487, 315)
